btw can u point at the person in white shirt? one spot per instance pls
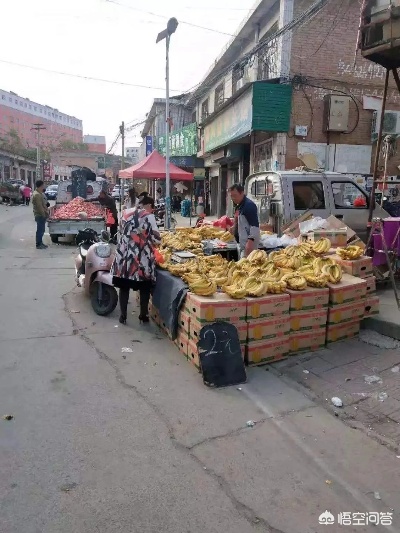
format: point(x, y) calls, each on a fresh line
point(131, 200)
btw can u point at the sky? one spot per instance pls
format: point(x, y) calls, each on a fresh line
point(113, 40)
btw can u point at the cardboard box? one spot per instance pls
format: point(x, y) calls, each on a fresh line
point(311, 298)
point(360, 268)
point(307, 341)
point(267, 306)
point(196, 326)
point(346, 312)
point(268, 328)
point(342, 331)
point(154, 315)
point(308, 320)
point(267, 351)
point(338, 237)
point(182, 342)
point(219, 307)
point(335, 223)
point(193, 353)
point(371, 284)
point(349, 289)
point(292, 228)
point(371, 306)
point(184, 321)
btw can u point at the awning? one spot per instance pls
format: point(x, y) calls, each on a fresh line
point(153, 168)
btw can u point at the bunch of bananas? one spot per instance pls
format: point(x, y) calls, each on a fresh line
point(226, 236)
point(202, 286)
point(334, 273)
point(320, 262)
point(257, 256)
point(283, 261)
point(275, 287)
point(300, 250)
point(273, 272)
point(319, 280)
point(322, 246)
point(294, 281)
point(254, 287)
point(350, 252)
point(234, 291)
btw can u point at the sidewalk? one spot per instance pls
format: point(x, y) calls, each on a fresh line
point(366, 378)
point(388, 321)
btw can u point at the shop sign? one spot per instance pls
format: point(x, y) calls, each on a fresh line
point(149, 145)
point(231, 124)
point(199, 173)
point(183, 142)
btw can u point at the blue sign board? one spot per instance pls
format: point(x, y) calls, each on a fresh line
point(149, 145)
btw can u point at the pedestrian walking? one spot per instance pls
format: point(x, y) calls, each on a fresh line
point(134, 265)
point(40, 212)
point(247, 225)
point(27, 193)
point(131, 201)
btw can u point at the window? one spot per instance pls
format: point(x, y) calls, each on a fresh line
point(237, 75)
point(347, 195)
point(262, 188)
point(262, 159)
point(3, 97)
point(219, 97)
point(308, 195)
point(204, 110)
point(35, 108)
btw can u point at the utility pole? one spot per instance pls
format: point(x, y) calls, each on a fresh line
point(38, 128)
point(122, 132)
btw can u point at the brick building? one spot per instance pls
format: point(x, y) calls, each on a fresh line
point(20, 114)
point(95, 143)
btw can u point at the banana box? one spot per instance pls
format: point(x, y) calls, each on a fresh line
point(267, 351)
point(338, 237)
point(182, 342)
point(371, 284)
point(347, 290)
point(307, 341)
point(309, 299)
point(346, 312)
point(342, 331)
point(184, 321)
point(268, 328)
point(154, 315)
point(267, 306)
point(196, 326)
point(360, 268)
point(308, 320)
point(371, 306)
point(193, 353)
point(218, 307)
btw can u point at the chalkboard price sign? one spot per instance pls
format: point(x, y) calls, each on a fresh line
point(220, 355)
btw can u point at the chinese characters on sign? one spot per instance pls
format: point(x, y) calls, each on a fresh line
point(356, 519)
point(149, 145)
point(183, 142)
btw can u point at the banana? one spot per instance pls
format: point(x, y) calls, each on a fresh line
point(350, 252)
point(234, 292)
point(317, 281)
point(333, 272)
point(203, 287)
point(321, 246)
point(295, 282)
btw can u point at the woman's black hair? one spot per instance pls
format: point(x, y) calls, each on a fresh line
point(143, 194)
point(147, 200)
point(132, 195)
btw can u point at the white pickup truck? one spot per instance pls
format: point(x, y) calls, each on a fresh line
point(61, 228)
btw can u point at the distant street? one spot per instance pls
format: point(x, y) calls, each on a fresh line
point(109, 441)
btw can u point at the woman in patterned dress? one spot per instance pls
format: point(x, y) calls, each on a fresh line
point(134, 265)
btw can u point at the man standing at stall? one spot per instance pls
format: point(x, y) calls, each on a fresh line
point(247, 225)
point(40, 212)
point(107, 201)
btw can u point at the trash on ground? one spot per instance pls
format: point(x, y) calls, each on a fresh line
point(306, 371)
point(376, 339)
point(328, 482)
point(250, 423)
point(115, 326)
point(74, 311)
point(377, 496)
point(396, 369)
point(348, 379)
point(126, 349)
point(8, 417)
point(372, 379)
point(239, 388)
point(337, 402)
point(382, 396)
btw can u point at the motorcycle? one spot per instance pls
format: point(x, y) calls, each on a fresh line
point(92, 270)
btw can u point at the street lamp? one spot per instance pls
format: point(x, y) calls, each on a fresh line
point(166, 34)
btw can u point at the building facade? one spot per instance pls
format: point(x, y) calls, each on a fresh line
point(133, 154)
point(267, 98)
point(21, 114)
point(16, 167)
point(95, 143)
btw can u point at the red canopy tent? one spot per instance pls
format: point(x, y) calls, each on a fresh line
point(153, 168)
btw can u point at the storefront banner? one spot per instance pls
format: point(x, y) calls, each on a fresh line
point(183, 142)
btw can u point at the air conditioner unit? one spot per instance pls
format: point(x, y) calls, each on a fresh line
point(391, 124)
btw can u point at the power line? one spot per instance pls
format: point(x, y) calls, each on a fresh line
point(90, 78)
point(165, 17)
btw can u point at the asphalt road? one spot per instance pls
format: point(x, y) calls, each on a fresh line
point(103, 443)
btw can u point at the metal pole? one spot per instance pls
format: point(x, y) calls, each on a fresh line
point(167, 221)
point(122, 130)
point(378, 151)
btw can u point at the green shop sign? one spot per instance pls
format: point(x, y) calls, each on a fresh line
point(183, 142)
point(233, 123)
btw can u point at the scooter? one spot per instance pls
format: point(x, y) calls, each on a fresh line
point(159, 213)
point(92, 270)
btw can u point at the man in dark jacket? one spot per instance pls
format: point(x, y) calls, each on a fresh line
point(247, 226)
point(107, 201)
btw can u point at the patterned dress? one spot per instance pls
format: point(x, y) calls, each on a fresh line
point(134, 258)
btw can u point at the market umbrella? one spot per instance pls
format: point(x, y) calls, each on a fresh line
point(153, 168)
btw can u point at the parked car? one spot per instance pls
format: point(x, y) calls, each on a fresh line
point(116, 194)
point(51, 192)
